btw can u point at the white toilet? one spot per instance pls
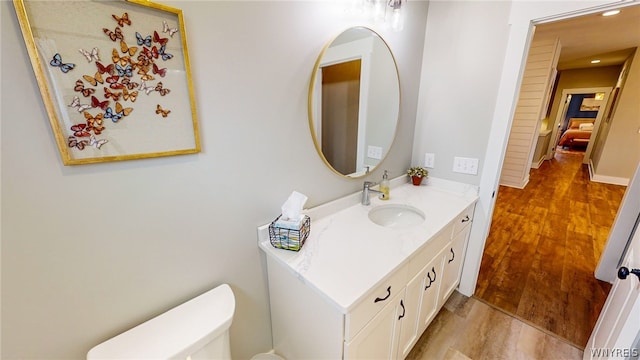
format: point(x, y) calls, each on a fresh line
point(197, 329)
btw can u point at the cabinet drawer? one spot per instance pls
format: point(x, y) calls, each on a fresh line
point(429, 250)
point(463, 220)
point(374, 301)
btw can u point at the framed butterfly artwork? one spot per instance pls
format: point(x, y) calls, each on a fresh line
point(114, 78)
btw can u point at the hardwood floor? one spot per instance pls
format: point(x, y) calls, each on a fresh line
point(467, 328)
point(544, 245)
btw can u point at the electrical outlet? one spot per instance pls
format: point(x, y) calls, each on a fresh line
point(374, 152)
point(465, 165)
point(429, 160)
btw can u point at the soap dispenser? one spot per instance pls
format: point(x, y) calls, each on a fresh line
point(384, 186)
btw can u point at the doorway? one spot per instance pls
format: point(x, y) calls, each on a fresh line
point(340, 114)
point(516, 230)
point(524, 21)
point(572, 127)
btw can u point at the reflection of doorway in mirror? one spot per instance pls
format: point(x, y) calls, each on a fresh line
point(340, 108)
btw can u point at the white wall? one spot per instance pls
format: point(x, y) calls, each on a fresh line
point(463, 59)
point(92, 250)
point(463, 56)
point(620, 152)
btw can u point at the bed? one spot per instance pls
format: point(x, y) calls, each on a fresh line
point(578, 133)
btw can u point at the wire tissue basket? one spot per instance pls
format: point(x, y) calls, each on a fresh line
point(289, 239)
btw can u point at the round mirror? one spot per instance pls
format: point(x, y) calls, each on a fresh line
point(354, 101)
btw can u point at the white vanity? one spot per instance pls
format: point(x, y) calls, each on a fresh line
point(360, 290)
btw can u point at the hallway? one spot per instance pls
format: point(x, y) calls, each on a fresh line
point(543, 247)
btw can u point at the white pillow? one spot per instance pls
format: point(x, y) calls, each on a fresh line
point(586, 127)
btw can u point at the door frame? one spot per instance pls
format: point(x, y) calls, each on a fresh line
point(555, 134)
point(522, 19)
point(358, 49)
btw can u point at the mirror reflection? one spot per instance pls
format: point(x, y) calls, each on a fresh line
point(354, 102)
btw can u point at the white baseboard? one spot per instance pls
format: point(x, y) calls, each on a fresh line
point(539, 163)
point(517, 186)
point(606, 179)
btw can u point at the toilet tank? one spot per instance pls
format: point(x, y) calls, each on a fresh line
point(198, 328)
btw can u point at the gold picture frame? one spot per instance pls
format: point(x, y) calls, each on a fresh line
point(114, 77)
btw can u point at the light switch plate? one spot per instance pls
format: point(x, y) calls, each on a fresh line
point(465, 165)
point(429, 160)
point(374, 152)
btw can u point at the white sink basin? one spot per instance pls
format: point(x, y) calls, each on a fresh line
point(396, 216)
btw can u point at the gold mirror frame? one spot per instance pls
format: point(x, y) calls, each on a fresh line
point(114, 77)
point(387, 124)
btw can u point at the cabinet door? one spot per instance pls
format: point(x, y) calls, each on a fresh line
point(379, 338)
point(410, 321)
point(452, 268)
point(429, 305)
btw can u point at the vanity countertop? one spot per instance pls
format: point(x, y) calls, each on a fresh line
point(346, 254)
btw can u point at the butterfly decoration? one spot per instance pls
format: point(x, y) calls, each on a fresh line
point(109, 69)
point(159, 40)
point(81, 89)
point(114, 116)
point(128, 84)
point(64, 67)
point(122, 20)
point(164, 55)
point(132, 96)
point(126, 49)
point(119, 113)
point(134, 64)
point(114, 35)
point(93, 120)
point(145, 88)
point(113, 82)
point(115, 95)
point(94, 123)
point(94, 80)
point(143, 69)
point(125, 111)
point(161, 111)
point(75, 103)
point(150, 53)
point(99, 104)
point(165, 28)
point(162, 72)
point(124, 71)
point(73, 142)
point(97, 143)
point(115, 57)
point(119, 87)
point(93, 55)
point(143, 61)
point(97, 129)
point(79, 130)
point(146, 41)
point(161, 90)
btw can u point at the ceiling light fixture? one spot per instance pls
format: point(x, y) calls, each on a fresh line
point(596, 61)
point(611, 13)
point(394, 14)
point(388, 12)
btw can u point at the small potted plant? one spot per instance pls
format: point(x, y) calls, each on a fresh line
point(417, 173)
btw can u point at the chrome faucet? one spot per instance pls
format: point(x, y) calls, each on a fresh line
point(366, 189)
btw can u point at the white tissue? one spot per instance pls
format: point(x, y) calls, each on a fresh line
point(292, 208)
